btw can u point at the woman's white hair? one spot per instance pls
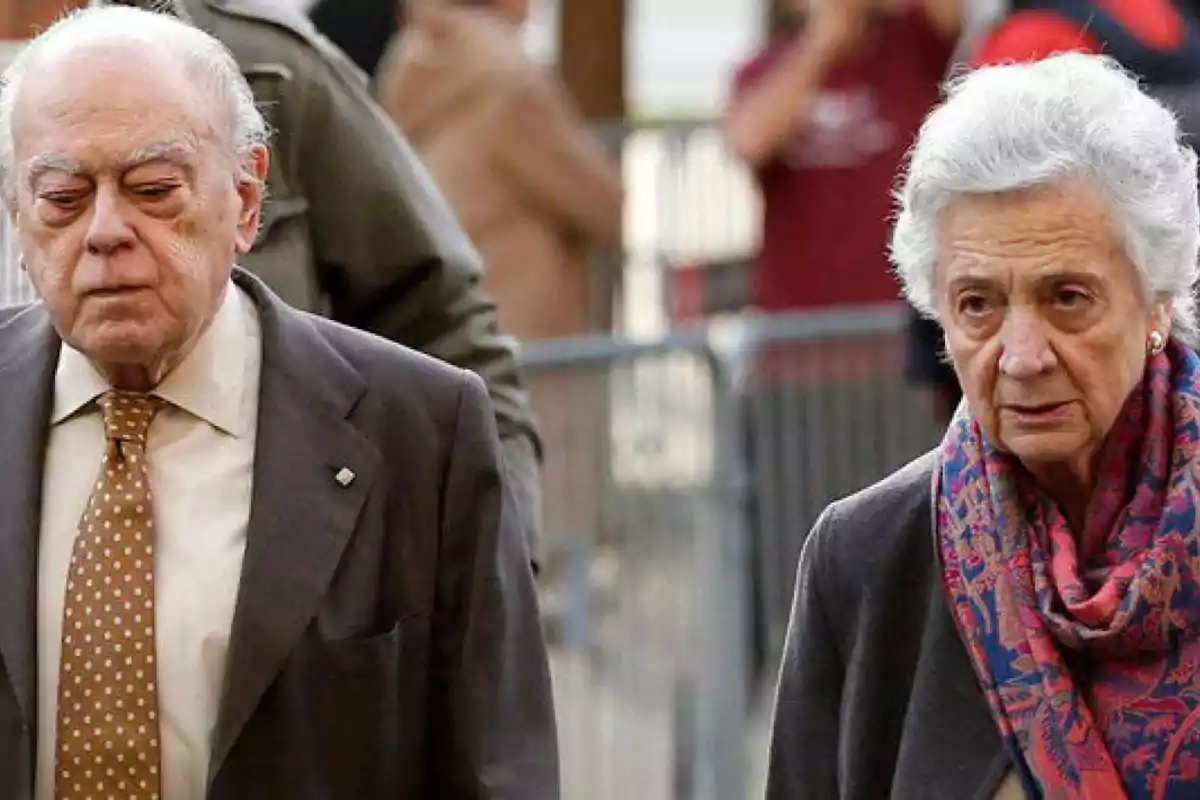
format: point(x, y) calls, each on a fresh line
point(213, 66)
point(1067, 117)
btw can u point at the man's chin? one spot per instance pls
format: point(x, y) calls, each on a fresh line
point(121, 345)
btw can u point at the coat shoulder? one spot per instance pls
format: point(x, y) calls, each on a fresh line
point(869, 536)
point(386, 365)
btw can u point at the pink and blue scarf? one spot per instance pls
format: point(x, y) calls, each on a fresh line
point(1087, 646)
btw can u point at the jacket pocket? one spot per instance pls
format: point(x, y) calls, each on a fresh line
point(367, 653)
point(349, 715)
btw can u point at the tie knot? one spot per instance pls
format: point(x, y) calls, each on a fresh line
point(127, 415)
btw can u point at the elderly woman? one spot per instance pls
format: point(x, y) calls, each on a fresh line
point(1016, 614)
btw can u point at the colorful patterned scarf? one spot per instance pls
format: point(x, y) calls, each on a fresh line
point(1088, 648)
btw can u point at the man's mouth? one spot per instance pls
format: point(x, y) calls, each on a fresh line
point(114, 291)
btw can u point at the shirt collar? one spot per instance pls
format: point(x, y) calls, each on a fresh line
point(208, 383)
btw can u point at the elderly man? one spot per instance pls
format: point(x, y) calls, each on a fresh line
point(246, 552)
point(353, 228)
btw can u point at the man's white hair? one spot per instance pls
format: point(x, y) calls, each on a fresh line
point(203, 56)
point(1067, 117)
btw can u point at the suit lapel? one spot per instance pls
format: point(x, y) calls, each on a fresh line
point(301, 515)
point(28, 356)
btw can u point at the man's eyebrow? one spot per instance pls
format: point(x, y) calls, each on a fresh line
point(39, 165)
point(175, 152)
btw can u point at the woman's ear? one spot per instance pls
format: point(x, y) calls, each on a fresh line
point(1161, 318)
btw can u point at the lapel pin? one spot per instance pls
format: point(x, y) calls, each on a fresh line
point(344, 476)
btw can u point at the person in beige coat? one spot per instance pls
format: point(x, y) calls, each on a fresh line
point(533, 188)
point(536, 193)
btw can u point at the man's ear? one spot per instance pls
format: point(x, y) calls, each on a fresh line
point(252, 191)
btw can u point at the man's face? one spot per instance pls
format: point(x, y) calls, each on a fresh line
point(128, 208)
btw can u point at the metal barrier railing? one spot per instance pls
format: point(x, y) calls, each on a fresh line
point(682, 476)
point(15, 287)
point(642, 587)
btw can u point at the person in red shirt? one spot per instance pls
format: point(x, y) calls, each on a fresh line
point(823, 116)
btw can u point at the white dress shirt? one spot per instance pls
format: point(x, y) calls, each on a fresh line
point(201, 457)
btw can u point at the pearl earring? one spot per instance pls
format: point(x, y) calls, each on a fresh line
point(1155, 343)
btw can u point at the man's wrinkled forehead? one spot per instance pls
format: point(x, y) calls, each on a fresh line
point(116, 110)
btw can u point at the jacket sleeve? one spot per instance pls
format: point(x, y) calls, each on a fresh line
point(491, 717)
point(805, 736)
point(394, 260)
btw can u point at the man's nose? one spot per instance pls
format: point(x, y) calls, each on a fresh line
point(1026, 352)
point(109, 228)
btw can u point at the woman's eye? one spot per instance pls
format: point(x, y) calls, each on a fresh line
point(154, 192)
point(1070, 298)
point(973, 304)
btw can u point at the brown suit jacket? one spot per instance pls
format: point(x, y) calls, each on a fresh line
point(386, 640)
point(505, 144)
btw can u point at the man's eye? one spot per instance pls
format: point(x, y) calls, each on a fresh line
point(65, 201)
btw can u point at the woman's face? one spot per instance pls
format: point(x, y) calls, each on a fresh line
point(1045, 320)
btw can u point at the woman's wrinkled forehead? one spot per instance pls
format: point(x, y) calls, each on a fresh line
point(1023, 239)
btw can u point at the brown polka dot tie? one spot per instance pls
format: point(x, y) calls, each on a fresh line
point(107, 745)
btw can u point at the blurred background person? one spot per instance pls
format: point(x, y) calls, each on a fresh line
point(1157, 40)
point(534, 190)
point(822, 116)
point(531, 185)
